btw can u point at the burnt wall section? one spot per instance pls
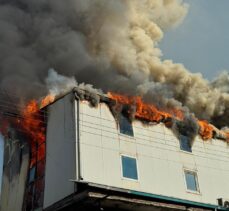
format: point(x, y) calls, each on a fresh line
point(34, 195)
point(15, 169)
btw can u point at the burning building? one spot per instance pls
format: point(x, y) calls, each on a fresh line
point(153, 146)
point(23, 131)
point(98, 152)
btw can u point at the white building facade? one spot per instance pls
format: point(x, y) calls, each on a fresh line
point(86, 144)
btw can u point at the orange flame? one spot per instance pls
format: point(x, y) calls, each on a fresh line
point(206, 130)
point(150, 112)
point(47, 100)
point(31, 121)
point(32, 124)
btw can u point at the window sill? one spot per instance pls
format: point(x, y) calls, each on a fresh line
point(186, 152)
point(130, 180)
point(127, 136)
point(194, 192)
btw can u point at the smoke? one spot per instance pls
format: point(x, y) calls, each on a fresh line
point(188, 127)
point(111, 44)
point(58, 84)
point(222, 82)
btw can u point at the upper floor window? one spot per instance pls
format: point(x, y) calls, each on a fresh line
point(191, 181)
point(125, 126)
point(185, 143)
point(129, 168)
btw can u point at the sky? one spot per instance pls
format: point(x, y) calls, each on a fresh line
point(201, 42)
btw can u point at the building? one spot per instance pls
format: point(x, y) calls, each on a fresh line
point(16, 161)
point(96, 161)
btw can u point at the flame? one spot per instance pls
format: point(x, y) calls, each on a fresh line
point(32, 124)
point(47, 100)
point(206, 130)
point(148, 112)
point(29, 120)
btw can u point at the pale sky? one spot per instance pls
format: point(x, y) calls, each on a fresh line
point(201, 42)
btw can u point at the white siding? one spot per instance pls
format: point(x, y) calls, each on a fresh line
point(60, 155)
point(160, 161)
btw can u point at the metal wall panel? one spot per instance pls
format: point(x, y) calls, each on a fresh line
point(160, 161)
point(60, 152)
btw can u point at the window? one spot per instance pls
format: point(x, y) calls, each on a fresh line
point(129, 168)
point(185, 144)
point(125, 126)
point(191, 181)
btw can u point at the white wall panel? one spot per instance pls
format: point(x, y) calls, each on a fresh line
point(60, 155)
point(160, 161)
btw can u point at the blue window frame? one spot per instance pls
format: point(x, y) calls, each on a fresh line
point(191, 181)
point(129, 168)
point(125, 126)
point(185, 143)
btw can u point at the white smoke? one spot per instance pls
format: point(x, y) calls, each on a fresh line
point(222, 82)
point(58, 84)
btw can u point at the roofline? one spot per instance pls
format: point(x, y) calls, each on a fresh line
point(105, 98)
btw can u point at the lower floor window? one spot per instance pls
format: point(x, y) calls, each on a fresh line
point(129, 167)
point(191, 181)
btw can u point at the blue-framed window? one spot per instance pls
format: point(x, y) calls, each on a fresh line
point(129, 167)
point(185, 143)
point(191, 181)
point(125, 126)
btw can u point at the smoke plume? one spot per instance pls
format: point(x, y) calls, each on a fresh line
point(111, 44)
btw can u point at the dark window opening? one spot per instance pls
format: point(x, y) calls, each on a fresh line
point(125, 126)
point(185, 143)
point(129, 168)
point(191, 181)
